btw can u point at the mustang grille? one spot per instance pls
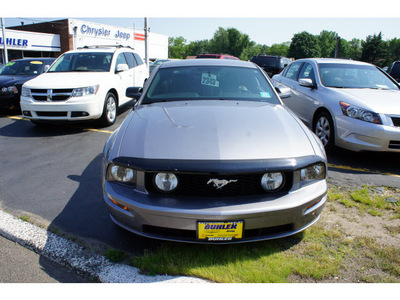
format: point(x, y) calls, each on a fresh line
point(195, 185)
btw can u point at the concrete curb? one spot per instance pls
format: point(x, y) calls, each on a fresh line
point(83, 261)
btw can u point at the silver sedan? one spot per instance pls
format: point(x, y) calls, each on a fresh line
point(210, 155)
point(350, 104)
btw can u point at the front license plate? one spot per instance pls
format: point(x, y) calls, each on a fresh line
point(220, 231)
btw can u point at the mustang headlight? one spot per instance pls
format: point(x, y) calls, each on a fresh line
point(166, 182)
point(121, 174)
point(85, 91)
point(312, 173)
point(272, 181)
point(359, 113)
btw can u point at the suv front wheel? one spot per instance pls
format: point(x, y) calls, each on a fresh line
point(109, 110)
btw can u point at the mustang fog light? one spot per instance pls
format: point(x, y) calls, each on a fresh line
point(166, 182)
point(121, 174)
point(313, 173)
point(271, 181)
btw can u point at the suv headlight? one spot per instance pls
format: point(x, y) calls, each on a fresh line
point(25, 92)
point(359, 113)
point(121, 174)
point(312, 173)
point(85, 91)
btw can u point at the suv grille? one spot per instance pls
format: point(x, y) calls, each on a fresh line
point(195, 185)
point(394, 145)
point(51, 94)
point(396, 121)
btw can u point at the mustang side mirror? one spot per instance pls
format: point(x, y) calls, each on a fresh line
point(134, 92)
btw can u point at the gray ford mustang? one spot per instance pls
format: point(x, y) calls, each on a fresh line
point(209, 154)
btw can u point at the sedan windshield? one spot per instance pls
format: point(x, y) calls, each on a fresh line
point(25, 67)
point(210, 83)
point(354, 76)
point(83, 62)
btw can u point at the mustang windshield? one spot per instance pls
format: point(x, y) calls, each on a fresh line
point(354, 76)
point(210, 83)
point(83, 62)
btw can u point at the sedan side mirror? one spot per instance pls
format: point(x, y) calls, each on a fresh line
point(134, 92)
point(283, 92)
point(307, 82)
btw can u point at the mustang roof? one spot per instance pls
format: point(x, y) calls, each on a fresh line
point(207, 62)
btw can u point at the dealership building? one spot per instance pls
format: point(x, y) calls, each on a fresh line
point(50, 39)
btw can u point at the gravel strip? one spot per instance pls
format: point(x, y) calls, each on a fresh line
point(75, 257)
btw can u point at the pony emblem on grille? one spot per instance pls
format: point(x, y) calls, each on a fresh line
point(220, 183)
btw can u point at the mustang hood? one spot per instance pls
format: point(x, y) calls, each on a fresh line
point(379, 101)
point(65, 80)
point(214, 130)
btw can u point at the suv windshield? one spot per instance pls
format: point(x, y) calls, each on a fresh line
point(83, 62)
point(26, 67)
point(209, 83)
point(354, 76)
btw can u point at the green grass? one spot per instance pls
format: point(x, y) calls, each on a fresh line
point(316, 255)
point(115, 256)
point(367, 199)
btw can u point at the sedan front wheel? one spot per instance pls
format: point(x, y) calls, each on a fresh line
point(323, 128)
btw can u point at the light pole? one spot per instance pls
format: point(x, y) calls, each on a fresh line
point(4, 42)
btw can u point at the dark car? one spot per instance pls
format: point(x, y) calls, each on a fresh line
point(14, 74)
point(271, 64)
point(394, 70)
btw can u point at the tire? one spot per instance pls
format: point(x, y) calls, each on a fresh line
point(109, 110)
point(323, 128)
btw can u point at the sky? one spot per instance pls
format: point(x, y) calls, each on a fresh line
point(265, 23)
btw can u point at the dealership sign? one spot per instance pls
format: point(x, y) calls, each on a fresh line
point(104, 32)
point(30, 41)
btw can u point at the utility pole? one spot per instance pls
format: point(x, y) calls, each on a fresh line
point(337, 39)
point(146, 36)
point(4, 42)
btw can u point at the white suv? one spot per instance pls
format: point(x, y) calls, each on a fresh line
point(84, 84)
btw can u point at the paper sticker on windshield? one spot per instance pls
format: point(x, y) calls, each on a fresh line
point(36, 62)
point(265, 95)
point(209, 79)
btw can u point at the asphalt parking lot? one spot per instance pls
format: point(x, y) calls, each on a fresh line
point(51, 176)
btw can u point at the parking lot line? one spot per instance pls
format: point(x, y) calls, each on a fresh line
point(363, 170)
point(84, 128)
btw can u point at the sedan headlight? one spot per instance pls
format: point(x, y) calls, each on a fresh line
point(121, 174)
point(359, 113)
point(272, 181)
point(85, 91)
point(166, 182)
point(9, 89)
point(312, 173)
point(25, 92)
